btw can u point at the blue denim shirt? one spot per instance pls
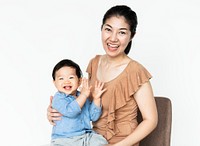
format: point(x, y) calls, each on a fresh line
point(75, 120)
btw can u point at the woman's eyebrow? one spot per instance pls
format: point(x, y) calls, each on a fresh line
point(123, 28)
point(108, 25)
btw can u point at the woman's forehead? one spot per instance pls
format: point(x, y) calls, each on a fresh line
point(117, 22)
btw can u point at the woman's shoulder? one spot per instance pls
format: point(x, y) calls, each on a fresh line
point(134, 64)
point(95, 60)
point(96, 57)
point(137, 68)
point(93, 64)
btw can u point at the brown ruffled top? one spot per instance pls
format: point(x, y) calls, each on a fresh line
point(119, 116)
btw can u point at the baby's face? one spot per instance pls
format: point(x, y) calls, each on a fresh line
point(66, 80)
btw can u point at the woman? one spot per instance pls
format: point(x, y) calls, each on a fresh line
point(126, 81)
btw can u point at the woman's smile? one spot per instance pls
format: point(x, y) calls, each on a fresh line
point(112, 47)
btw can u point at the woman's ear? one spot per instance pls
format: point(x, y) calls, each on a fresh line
point(132, 36)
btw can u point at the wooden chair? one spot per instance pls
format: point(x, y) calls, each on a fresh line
point(161, 135)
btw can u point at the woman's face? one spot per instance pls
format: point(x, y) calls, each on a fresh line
point(115, 35)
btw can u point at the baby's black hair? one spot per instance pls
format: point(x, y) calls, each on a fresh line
point(69, 63)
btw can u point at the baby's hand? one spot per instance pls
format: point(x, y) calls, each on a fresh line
point(98, 90)
point(85, 89)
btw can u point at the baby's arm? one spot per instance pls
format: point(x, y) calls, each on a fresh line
point(85, 92)
point(71, 108)
point(65, 106)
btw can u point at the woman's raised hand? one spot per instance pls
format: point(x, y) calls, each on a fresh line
point(98, 90)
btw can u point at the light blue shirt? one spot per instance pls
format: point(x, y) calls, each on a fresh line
point(75, 120)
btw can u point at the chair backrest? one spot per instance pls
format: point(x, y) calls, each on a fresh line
point(161, 135)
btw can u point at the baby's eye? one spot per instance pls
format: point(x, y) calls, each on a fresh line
point(71, 77)
point(60, 78)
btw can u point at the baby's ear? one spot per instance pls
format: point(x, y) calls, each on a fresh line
point(80, 81)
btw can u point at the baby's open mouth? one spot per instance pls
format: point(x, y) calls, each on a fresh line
point(67, 87)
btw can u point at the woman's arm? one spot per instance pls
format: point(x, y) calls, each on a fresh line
point(146, 103)
point(95, 109)
point(52, 114)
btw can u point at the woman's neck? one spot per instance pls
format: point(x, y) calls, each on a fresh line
point(112, 66)
point(115, 61)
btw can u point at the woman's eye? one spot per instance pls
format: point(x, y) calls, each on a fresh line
point(122, 32)
point(107, 29)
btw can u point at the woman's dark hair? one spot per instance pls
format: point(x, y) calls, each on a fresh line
point(68, 63)
point(128, 14)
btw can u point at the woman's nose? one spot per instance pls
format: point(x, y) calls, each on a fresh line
point(114, 37)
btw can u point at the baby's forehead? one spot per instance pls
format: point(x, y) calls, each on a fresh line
point(67, 70)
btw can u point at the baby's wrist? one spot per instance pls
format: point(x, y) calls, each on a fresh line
point(85, 95)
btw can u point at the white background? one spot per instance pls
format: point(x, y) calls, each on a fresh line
point(35, 35)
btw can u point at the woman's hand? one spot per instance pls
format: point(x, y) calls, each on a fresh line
point(52, 114)
point(98, 90)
